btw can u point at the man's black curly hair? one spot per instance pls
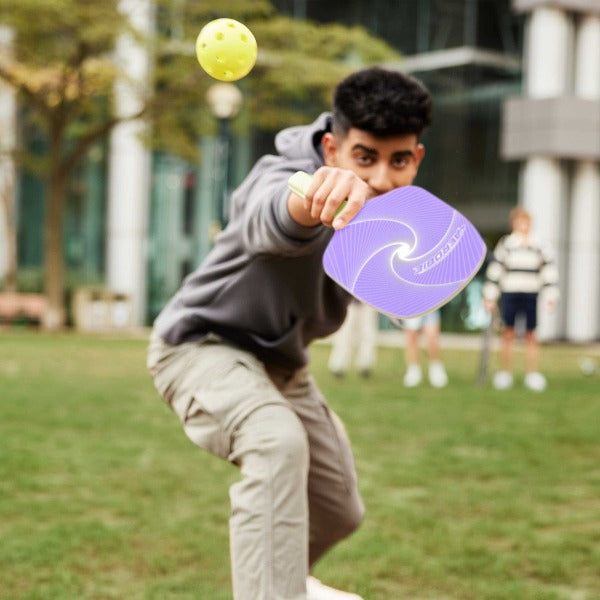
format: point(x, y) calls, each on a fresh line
point(382, 102)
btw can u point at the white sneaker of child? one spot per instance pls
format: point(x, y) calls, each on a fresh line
point(503, 380)
point(437, 374)
point(535, 381)
point(413, 376)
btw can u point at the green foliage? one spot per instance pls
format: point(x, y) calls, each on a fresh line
point(54, 31)
point(298, 65)
point(62, 64)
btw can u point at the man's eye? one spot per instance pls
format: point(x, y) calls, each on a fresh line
point(364, 159)
point(400, 163)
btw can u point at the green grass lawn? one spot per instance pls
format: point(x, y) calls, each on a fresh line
point(471, 493)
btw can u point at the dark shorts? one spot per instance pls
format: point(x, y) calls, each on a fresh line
point(514, 303)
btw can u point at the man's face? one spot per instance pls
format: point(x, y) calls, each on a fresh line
point(383, 163)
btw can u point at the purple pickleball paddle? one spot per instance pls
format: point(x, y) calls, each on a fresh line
point(405, 253)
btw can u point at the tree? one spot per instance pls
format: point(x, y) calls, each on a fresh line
point(10, 234)
point(7, 177)
point(63, 70)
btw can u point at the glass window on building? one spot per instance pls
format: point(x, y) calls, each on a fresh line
point(84, 220)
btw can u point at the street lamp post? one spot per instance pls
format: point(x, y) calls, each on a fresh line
point(224, 101)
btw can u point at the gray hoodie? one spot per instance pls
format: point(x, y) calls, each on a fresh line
point(263, 286)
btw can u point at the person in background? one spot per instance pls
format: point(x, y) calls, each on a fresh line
point(429, 326)
point(357, 338)
point(521, 269)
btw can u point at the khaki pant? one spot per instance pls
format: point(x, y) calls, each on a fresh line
point(297, 495)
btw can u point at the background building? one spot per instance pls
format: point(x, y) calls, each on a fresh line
point(516, 90)
point(553, 128)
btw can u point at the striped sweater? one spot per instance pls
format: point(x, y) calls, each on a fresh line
point(520, 265)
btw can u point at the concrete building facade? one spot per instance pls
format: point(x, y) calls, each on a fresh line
point(554, 129)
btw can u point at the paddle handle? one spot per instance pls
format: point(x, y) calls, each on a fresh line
point(299, 183)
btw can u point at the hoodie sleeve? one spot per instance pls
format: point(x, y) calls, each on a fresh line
point(259, 206)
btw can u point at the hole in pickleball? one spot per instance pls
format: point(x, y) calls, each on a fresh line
point(220, 35)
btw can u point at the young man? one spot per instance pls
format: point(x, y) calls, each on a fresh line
point(229, 351)
point(521, 269)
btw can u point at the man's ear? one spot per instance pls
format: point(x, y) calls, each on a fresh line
point(419, 154)
point(329, 144)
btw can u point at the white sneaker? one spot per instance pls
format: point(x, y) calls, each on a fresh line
point(437, 374)
point(503, 380)
point(315, 590)
point(413, 376)
point(535, 381)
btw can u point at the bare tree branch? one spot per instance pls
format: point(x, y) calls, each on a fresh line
point(20, 86)
point(7, 201)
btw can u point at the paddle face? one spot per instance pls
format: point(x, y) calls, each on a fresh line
point(405, 253)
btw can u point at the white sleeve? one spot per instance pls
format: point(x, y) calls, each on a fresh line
point(549, 276)
point(494, 273)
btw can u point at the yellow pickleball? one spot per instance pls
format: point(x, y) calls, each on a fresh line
point(226, 49)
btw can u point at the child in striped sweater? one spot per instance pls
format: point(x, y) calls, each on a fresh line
point(520, 271)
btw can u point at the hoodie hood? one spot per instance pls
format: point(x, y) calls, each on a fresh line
point(304, 141)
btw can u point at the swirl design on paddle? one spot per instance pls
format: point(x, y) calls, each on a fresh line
point(406, 253)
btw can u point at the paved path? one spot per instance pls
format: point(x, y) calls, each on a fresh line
point(394, 338)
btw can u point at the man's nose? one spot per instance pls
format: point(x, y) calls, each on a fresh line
point(381, 181)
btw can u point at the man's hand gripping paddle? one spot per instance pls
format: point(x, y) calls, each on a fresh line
point(405, 252)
